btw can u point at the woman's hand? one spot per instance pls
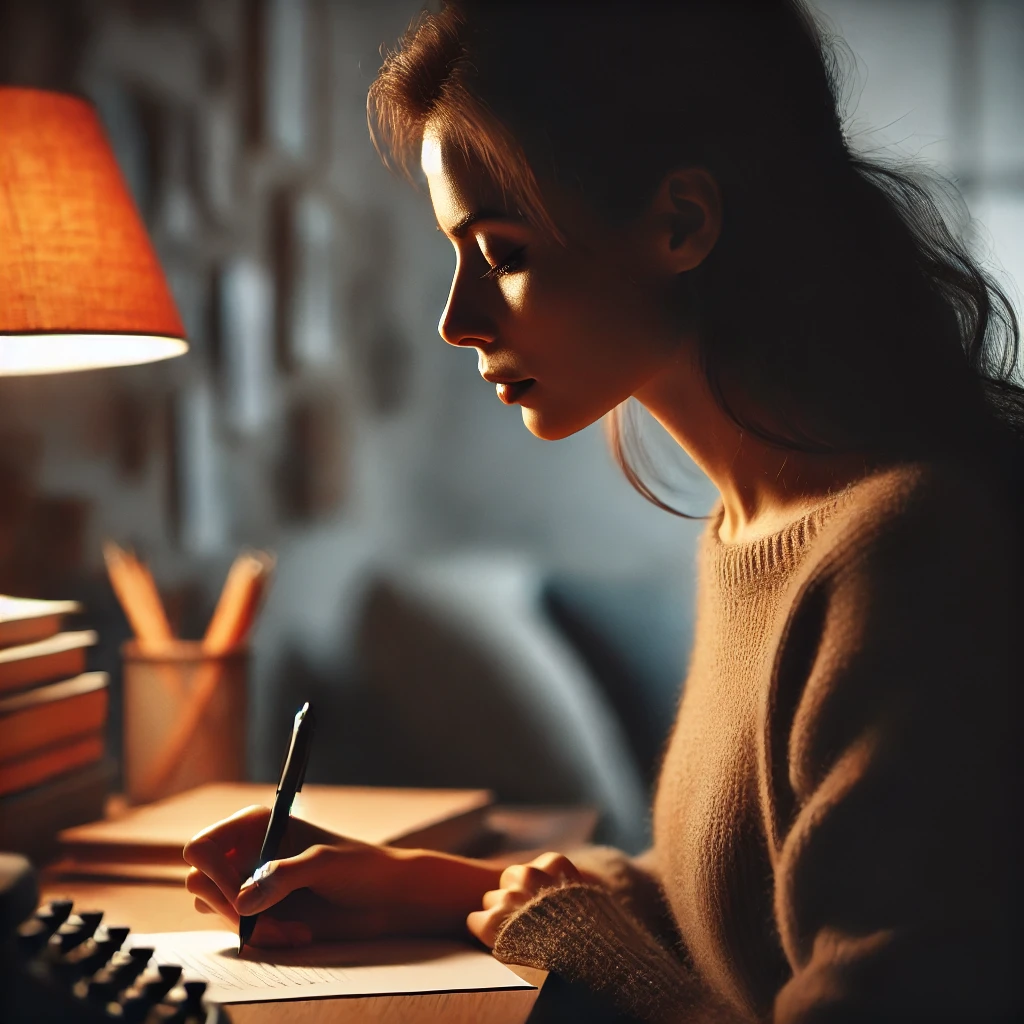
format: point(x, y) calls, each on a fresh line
point(324, 887)
point(516, 887)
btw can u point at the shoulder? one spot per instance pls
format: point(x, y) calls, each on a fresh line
point(903, 615)
point(926, 522)
point(911, 550)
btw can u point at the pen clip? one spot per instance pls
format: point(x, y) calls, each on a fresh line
point(293, 768)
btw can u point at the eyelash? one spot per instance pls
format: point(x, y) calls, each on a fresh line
point(512, 264)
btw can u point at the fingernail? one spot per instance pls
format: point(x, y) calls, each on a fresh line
point(247, 884)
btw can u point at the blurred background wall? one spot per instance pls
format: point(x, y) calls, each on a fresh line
point(432, 553)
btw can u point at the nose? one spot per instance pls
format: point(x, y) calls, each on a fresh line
point(465, 320)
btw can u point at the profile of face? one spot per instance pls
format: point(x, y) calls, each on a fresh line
point(567, 331)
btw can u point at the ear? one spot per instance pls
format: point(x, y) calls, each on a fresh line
point(685, 216)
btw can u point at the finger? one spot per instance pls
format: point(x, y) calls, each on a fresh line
point(273, 881)
point(270, 932)
point(558, 866)
point(203, 888)
point(481, 923)
point(506, 900)
point(242, 829)
point(227, 850)
point(485, 924)
point(493, 898)
point(226, 912)
point(295, 933)
point(525, 876)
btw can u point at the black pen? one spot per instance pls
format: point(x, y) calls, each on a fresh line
point(292, 775)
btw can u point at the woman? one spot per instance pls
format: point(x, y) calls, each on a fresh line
point(657, 202)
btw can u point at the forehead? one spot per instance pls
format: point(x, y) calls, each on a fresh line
point(459, 184)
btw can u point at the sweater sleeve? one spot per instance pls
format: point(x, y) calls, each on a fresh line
point(585, 934)
point(635, 882)
point(890, 775)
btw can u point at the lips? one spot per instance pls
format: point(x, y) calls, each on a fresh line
point(511, 391)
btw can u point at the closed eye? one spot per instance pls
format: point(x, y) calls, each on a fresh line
point(510, 265)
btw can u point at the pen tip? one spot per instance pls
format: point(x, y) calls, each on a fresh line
point(241, 946)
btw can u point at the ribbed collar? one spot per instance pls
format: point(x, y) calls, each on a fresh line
point(772, 555)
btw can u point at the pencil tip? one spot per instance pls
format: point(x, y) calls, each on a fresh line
point(241, 946)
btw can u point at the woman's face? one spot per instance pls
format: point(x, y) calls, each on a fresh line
point(567, 332)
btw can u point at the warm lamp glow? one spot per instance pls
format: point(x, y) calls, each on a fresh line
point(55, 353)
point(80, 285)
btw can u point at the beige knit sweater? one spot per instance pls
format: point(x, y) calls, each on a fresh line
point(836, 817)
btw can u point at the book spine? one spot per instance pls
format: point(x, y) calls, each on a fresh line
point(31, 819)
point(34, 729)
point(38, 767)
point(48, 668)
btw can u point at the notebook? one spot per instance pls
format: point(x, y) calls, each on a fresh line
point(146, 842)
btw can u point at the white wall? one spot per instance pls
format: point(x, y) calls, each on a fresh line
point(942, 82)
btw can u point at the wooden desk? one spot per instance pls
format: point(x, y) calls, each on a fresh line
point(155, 907)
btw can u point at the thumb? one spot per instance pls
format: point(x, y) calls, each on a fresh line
point(272, 882)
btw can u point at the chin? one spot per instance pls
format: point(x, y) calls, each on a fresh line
point(552, 428)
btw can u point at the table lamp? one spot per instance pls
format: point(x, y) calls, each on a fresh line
point(80, 288)
point(80, 284)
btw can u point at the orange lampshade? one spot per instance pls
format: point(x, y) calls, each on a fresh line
point(80, 285)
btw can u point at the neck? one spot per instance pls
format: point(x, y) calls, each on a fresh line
point(763, 488)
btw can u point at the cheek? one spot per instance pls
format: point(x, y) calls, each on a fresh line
point(562, 316)
point(518, 292)
point(590, 339)
point(589, 336)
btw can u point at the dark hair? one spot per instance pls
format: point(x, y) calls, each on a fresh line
point(839, 310)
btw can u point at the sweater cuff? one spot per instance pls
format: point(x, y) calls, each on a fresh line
point(634, 882)
point(583, 934)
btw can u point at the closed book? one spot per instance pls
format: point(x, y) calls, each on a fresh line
point(147, 841)
point(56, 657)
point(38, 718)
point(25, 619)
point(37, 767)
point(31, 819)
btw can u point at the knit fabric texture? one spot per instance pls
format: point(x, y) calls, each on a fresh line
point(836, 818)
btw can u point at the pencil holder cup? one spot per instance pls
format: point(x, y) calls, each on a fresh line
point(184, 718)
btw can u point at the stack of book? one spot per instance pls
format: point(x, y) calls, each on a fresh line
point(53, 716)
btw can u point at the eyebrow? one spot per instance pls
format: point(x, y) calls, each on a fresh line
point(460, 229)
